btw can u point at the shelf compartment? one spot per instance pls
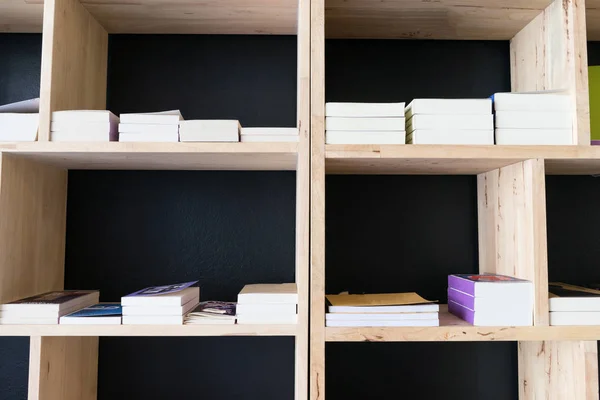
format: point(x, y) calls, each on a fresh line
point(456, 160)
point(21, 16)
point(148, 330)
point(160, 156)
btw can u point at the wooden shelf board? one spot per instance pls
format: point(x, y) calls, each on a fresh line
point(445, 19)
point(25, 16)
point(160, 156)
point(456, 160)
point(456, 330)
point(148, 330)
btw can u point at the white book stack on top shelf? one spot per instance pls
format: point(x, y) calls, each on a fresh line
point(450, 121)
point(160, 309)
point(364, 123)
point(268, 304)
point(19, 122)
point(84, 126)
point(262, 135)
point(162, 127)
point(535, 118)
point(573, 305)
point(210, 130)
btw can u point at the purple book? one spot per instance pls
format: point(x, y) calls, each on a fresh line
point(489, 285)
point(461, 298)
point(595, 142)
point(461, 312)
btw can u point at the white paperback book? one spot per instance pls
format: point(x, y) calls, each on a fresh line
point(148, 137)
point(368, 137)
point(521, 317)
point(269, 131)
point(498, 288)
point(267, 319)
point(170, 299)
point(84, 135)
point(19, 121)
point(269, 293)
point(364, 109)
point(462, 122)
point(534, 136)
point(381, 316)
point(364, 124)
point(449, 106)
point(533, 120)
point(266, 309)
point(155, 129)
point(153, 320)
point(404, 323)
point(269, 138)
point(171, 117)
point(210, 131)
point(533, 101)
point(78, 126)
point(574, 318)
point(161, 310)
point(449, 136)
point(417, 308)
point(83, 116)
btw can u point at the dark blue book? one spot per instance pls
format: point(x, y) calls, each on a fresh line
point(98, 314)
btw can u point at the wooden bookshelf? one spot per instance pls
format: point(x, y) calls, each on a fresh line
point(21, 16)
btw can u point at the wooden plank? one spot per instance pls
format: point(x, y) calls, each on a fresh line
point(74, 61)
point(21, 16)
point(62, 368)
point(443, 19)
point(149, 330)
point(163, 156)
point(558, 370)
point(551, 53)
point(592, 13)
point(32, 228)
point(512, 227)
point(317, 202)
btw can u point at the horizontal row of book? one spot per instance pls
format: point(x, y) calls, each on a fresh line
point(480, 300)
point(175, 304)
point(540, 118)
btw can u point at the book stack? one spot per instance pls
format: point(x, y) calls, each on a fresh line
point(210, 130)
point(19, 122)
point(543, 118)
point(212, 313)
point(84, 126)
point(450, 121)
point(98, 314)
point(491, 300)
point(386, 309)
point(160, 305)
point(269, 135)
point(268, 304)
point(364, 123)
point(47, 308)
point(573, 305)
point(150, 127)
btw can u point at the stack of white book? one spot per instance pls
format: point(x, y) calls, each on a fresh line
point(269, 135)
point(47, 308)
point(364, 123)
point(573, 305)
point(160, 305)
point(150, 127)
point(210, 130)
point(84, 126)
point(533, 118)
point(450, 121)
point(384, 309)
point(19, 122)
point(212, 313)
point(268, 304)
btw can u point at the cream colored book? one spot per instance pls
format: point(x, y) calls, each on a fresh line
point(269, 293)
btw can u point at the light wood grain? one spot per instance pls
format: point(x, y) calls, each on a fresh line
point(21, 16)
point(303, 201)
point(512, 227)
point(148, 330)
point(558, 370)
point(317, 202)
point(443, 19)
point(160, 156)
point(62, 368)
point(32, 228)
point(74, 62)
point(551, 53)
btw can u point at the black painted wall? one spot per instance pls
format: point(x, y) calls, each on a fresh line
point(130, 229)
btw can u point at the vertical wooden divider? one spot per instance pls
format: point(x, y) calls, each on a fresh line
point(303, 200)
point(317, 202)
point(74, 62)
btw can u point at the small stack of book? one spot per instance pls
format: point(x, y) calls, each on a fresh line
point(268, 304)
point(84, 126)
point(98, 314)
point(150, 127)
point(491, 300)
point(212, 313)
point(19, 122)
point(574, 305)
point(364, 123)
point(450, 121)
point(210, 130)
point(543, 118)
point(384, 309)
point(47, 308)
point(270, 135)
point(160, 305)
